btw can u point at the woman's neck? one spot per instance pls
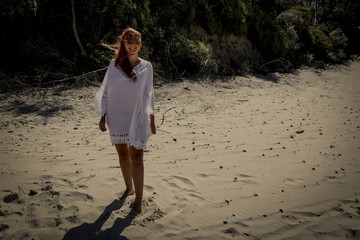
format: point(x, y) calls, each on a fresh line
point(134, 60)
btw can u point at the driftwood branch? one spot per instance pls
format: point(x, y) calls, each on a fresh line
point(157, 75)
point(80, 76)
point(20, 82)
point(275, 60)
point(86, 178)
point(163, 116)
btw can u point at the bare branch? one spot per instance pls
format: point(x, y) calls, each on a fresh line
point(275, 60)
point(76, 77)
point(163, 116)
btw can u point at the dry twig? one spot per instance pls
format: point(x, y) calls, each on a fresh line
point(163, 116)
point(86, 178)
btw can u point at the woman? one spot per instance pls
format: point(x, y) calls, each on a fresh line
point(125, 101)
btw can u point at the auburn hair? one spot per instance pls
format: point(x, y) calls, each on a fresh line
point(120, 54)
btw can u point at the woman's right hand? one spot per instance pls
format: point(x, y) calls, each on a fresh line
point(102, 125)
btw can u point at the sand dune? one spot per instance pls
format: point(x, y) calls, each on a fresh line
point(273, 157)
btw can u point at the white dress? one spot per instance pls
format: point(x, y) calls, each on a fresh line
point(127, 104)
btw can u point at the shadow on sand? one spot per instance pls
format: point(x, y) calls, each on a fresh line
point(269, 77)
point(92, 231)
point(44, 108)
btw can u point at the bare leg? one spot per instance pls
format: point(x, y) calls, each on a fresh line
point(125, 164)
point(138, 175)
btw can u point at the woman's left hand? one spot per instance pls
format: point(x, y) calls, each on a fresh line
point(102, 126)
point(152, 124)
point(153, 129)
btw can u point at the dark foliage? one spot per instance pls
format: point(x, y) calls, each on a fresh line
point(183, 38)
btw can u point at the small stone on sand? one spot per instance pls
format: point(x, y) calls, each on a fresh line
point(11, 198)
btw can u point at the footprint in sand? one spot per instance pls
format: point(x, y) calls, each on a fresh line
point(232, 231)
point(151, 212)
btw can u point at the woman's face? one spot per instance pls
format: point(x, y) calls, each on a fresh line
point(132, 45)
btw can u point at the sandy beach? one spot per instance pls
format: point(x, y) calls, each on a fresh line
point(255, 157)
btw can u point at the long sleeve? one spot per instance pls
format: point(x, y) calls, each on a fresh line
point(150, 105)
point(101, 96)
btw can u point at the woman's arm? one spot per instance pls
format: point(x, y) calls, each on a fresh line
point(150, 108)
point(102, 125)
point(101, 95)
point(152, 124)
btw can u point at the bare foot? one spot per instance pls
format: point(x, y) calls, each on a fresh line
point(137, 207)
point(127, 193)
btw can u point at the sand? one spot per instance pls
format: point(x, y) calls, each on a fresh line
point(256, 157)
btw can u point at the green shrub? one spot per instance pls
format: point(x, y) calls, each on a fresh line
point(265, 34)
point(222, 16)
point(289, 22)
point(321, 43)
point(339, 42)
point(189, 56)
point(338, 38)
point(328, 45)
point(294, 29)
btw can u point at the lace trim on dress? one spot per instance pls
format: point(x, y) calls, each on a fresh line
point(119, 135)
point(117, 138)
point(122, 73)
point(143, 67)
point(138, 144)
point(121, 141)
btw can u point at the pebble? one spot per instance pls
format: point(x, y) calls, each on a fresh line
point(32, 192)
point(3, 227)
point(11, 197)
